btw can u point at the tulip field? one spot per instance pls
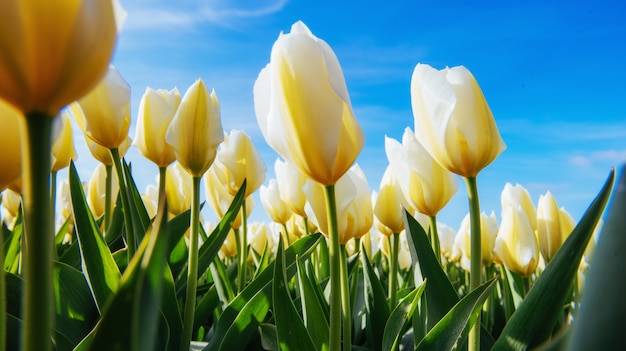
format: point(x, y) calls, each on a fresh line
point(97, 264)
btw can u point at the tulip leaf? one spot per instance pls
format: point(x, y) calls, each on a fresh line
point(242, 316)
point(98, 264)
point(138, 212)
point(12, 244)
point(599, 324)
point(269, 340)
point(205, 306)
point(290, 329)
point(400, 318)
point(171, 309)
point(445, 334)
point(375, 304)
point(315, 319)
point(535, 318)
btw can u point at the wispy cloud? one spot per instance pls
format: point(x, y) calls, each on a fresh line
point(603, 156)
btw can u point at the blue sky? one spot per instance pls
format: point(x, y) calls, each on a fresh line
point(552, 72)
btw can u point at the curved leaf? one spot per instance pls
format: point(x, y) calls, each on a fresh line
point(399, 318)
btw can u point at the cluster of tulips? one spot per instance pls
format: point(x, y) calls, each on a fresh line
point(127, 270)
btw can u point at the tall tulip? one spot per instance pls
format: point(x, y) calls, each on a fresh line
point(516, 244)
point(242, 161)
point(195, 133)
point(11, 202)
point(517, 195)
point(63, 147)
point(96, 191)
point(489, 229)
point(550, 233)
point(388, 204)
point(305, 114)
point(178, 189)
point(10, 136)
point(290, 182)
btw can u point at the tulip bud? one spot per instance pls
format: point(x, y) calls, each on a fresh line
point(156, 110)
point(290, 182)
point(273, 204)
point(54, 52)
point(453, 120)
point(489, 231)
point(259, 237)
point(388, 204)
point(105, 116)
point(196, 129)
point(96, 191)
point(218, 196)
point(447, 236)
point(426, 185)
point(11, 154)
point(63, 147)
point(11, 202)
point(229, 247)
point(548, 226)
point(103, 154)
point(242, 162)
point(303, 108)
point(516, 244)
point(64, 208)
point(518, 196)
point(178, 189)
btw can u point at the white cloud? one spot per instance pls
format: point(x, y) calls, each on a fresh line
point(602, 156)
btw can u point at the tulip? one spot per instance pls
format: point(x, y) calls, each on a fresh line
point(303, 108)
point(10, 135)
point(242, 162)
point(156, 110)
point(219, 197)
point(103, 154)
point(517, 195)
point(149, 198)
point(516, 244)
point(65, 209)
point(96, 191)
point(290, 182)
point(196, 129)
point(105, 114)
point(567, 223)
point(273, 204)
point(229, 246)
point(549, 226)
point(388, 207)
point(447, 236)
point(178, 189)
point(489, 230)
point(453, 120)
point(11, 202)
point(63, 147)
point(260, 238)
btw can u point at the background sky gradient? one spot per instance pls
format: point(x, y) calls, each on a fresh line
point(552, 72)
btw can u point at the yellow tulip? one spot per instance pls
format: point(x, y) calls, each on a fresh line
point(156, 110)
point(517, 195)
point(516, 244)
point(489, 232)
point(103, 154)
point(290, 182)
point(54, 51)
point(11, 202)
point(229, 247)
point(218, 196)
point(303, 107)
point(404, 254)
point(426, 185)
point(178, 189)
point(150, 199)
point(63, 147)
point(388, 203)
point(11, 154)
point(549, 231)
point(273, 204)
point(196, 129)
point(242, 161)
point(64, 206)
point(453, 120)
point(447, 236)
point(259, 237)
point(355, 214)
point(105, 116)
point(96, 191)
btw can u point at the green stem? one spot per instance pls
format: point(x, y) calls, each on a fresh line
point(334, 255)
point(130, 234)
point(306, 225)
point(475, 254)
point(3, 331)
point(108, 193)
point(53, 197)
point(345, 302)
point(38, 237)
point(162, 175)
point(192, 266)
point(242, 250)
point(286, 235)
point(435, 238)
point(394, 245)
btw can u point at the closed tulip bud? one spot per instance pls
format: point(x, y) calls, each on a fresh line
point(489, 231)
point(218, 196)
point(242, 162)
point(273, 204)
point(64, 209)
point(178, 189)
point(567, 223)
point(517, 195)
point(196, 129)
point(259, 237)
point(96, 191)
point(103, 154)
point(11, 155)
point(150, 199)
point(229, 247)
point(290, 183)
point(549, 226)
point(63, 147)
point(354, 205)
point(388, 204)
point(54, 52)
point(156, 110)
point(11, 202)
point(404, 255)
point(105, 116)
point(426, 185)
point(516, 244)
point(453, 120)
point(447, 235)
point(303, 108)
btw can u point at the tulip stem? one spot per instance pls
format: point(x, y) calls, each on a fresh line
point(394, 246)
point(38, 238)
point(192, 266)
point(435, 237)
point(162, 175)
point(243, 249)
point(345, 302)
point(286, 235)
point(334, 255)
point(475, 254)
point(108, 193)
point(130, 234)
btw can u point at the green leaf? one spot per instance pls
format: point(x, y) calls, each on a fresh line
point(315, 319)
point(269, 340)
point(400, 317)
point(241, 318)
point(599, 325)
point(171, 309)
point(98, 264)
point(375, 304)
point(139, 214)
point(12, 245)
point(534, 320)
point(290, 329)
